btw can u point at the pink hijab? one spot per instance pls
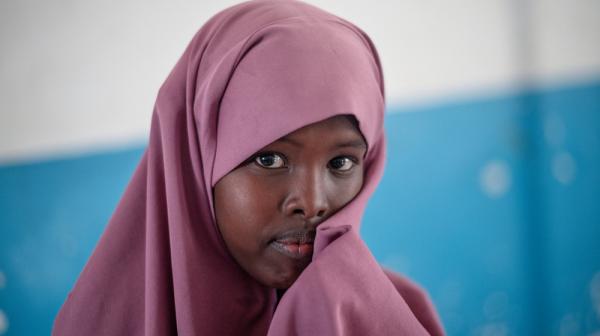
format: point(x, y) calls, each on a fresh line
point(252, 74)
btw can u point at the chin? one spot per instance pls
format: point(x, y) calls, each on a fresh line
point(282, 280)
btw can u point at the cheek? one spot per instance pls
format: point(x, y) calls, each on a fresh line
point(242, 208)
point(342, 191)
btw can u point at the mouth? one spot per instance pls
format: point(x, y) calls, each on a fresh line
point(296, 244)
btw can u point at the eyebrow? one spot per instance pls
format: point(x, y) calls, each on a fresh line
point(358, 143)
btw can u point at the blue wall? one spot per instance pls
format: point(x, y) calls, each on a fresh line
point(492, 204)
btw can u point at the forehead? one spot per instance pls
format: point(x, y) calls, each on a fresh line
point(334, 132)
point(338, 125)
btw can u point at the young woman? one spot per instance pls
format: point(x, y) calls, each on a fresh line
point(243, 215)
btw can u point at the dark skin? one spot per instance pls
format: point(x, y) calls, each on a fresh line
point(268, 208)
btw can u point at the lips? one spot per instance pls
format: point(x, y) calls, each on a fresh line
point(297, 244)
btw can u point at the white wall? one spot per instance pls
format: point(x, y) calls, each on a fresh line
point(76, 76)
point(566, 39)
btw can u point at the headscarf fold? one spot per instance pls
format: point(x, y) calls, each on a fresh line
point(252, 74)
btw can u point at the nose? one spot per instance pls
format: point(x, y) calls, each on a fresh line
point(307, 197)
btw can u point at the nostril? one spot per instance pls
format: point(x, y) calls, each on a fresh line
point(320, 213)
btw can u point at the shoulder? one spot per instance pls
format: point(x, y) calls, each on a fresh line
point(418, 300)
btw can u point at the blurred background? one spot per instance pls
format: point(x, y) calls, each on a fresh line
point(490, 200)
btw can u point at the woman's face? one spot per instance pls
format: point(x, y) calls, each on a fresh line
point(268, 208)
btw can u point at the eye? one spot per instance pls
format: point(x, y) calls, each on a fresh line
point(269, 160)
point(342, 163)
